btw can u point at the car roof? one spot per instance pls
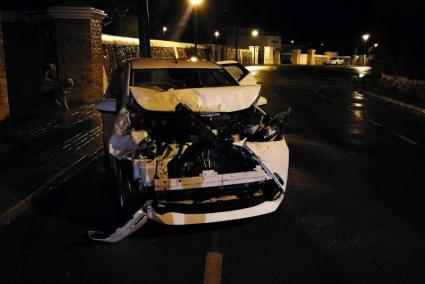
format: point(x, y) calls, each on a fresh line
point(152, 63)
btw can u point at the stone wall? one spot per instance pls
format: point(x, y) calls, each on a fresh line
point(97, 61)
point(403, 86)
point(162, 52)
point(4, 100)
point(114, 54)
point(80, 57)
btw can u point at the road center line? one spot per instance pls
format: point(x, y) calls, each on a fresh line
point(408, 140)
point(213, 265)
point(402, 137)
point(329, 100)
point(375, 123)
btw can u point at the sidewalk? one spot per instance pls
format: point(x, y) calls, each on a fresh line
point(413, 105)
point(38, 151)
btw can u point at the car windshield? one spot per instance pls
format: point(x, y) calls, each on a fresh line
point(179, 78)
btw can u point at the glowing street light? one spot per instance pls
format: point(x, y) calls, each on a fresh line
point(292, 41)
point(195, 4)
point(254, 34)
point(164, 30)
point(216, 34)
point(365, 38)
point(375, 45)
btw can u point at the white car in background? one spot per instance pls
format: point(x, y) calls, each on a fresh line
point(189, 144)
point(335, 61)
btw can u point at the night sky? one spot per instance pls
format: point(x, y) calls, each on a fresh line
point(337, 24)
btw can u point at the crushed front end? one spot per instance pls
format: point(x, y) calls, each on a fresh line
point(188, 167)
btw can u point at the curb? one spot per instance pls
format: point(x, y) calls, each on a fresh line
point(54, 182)
point(412, 108)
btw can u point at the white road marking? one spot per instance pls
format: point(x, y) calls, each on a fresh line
point(402, 137)
point(328, 99)
point(213, 265)
point(408, 140)
point(375, 122)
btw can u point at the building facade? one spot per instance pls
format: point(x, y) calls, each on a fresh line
point(261, 49)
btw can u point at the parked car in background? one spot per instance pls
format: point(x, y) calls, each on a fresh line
point(189, 143)
point(335, 61)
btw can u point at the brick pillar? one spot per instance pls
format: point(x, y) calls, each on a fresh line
point(4, 99)
point(310, 56)
point(79, 50)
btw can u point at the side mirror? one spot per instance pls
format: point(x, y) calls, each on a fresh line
point(108, 106)
point(262, 101)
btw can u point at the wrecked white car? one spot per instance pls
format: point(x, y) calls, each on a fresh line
point(190, 144)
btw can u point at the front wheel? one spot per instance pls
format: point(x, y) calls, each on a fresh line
point(128, 197)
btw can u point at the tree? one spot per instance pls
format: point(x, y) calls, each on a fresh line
point(399, 32)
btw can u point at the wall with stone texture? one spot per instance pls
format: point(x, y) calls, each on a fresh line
point(97, 60)
point(80, 57)
point(4, 99)
point(162, 52)
point(403, 86)
point(114, 54)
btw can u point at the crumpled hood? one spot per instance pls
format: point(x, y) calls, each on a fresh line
point(216, 99)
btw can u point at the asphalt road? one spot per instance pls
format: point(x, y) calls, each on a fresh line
point(352, 213)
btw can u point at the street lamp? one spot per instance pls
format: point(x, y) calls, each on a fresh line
point(195, 4)
point(365, 38)
point(216, 35)
point(376, 45)
point(292, 41)
point(254, 34)
point(164, 30)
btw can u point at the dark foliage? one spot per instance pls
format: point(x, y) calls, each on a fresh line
point(399, 30)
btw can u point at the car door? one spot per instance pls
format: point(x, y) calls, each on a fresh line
point(239, 72)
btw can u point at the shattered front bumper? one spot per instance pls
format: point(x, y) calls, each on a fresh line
point(180, 218)
point(216, 204)
point(260, 192)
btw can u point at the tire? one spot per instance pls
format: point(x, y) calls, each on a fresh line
point(128, 199)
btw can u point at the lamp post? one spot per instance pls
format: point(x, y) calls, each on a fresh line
point(195, 4)
point(254, 34)
point(144, 29)
point(365, 38)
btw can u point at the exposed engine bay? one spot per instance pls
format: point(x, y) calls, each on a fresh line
point(195, 162)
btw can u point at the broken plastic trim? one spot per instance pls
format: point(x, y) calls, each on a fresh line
point(139, 219)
